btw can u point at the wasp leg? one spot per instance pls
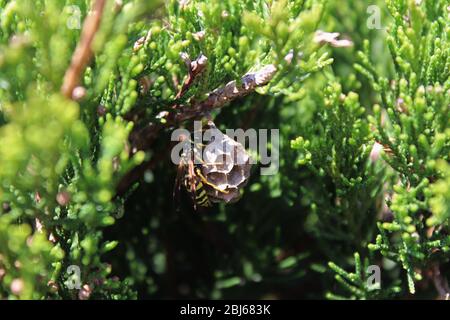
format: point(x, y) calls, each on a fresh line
point(202, 177)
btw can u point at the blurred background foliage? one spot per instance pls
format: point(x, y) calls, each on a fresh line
point(364, 148)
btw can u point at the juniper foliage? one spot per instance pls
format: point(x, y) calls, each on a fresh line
point(90, 92)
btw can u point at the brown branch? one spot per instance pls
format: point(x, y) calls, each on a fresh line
point(83, 52)
point(194, 68)
point(143, 138)
point(216, 99)
point(231, 91)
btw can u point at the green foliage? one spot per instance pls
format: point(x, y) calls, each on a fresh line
point(358, 283)
point(86, 179)
point(28, 261)
point(346, 181)
point(412, 125)
point(59, 169)
point(439, 199)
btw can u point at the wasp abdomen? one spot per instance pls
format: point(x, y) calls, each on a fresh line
point(201, 198)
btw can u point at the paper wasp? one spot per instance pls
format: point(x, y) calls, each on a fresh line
point(189, 174)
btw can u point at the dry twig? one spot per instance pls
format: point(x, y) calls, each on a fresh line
point(83, 52)
point(232, 90)
point(194, 69)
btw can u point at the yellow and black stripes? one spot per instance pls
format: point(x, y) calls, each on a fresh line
point(201, 198)
point(195, 183)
